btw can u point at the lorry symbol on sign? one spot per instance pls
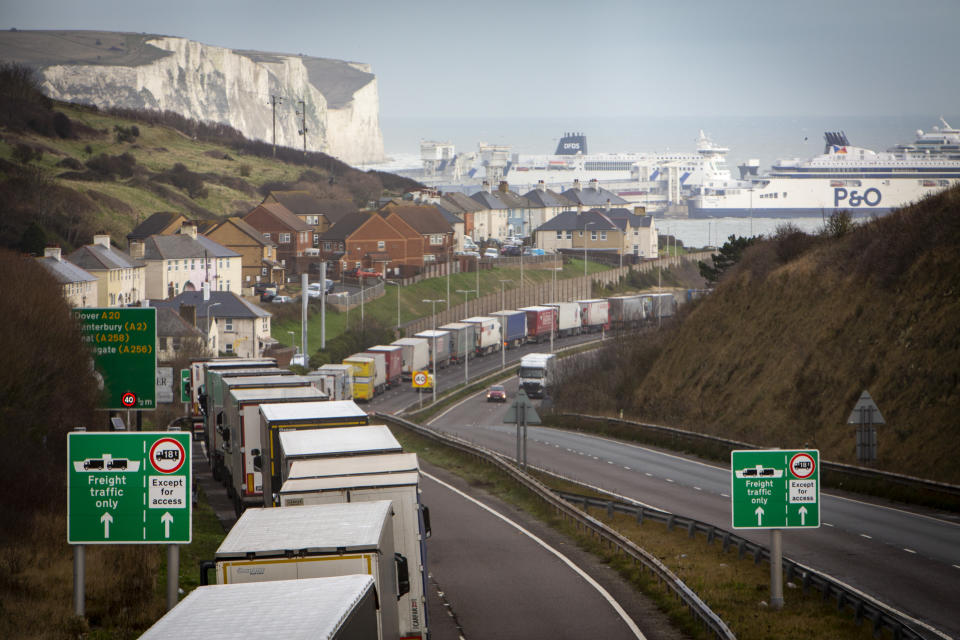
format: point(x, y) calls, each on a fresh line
point(106, 462)
point(802, 465)
point(168, 454)
point(759, 471)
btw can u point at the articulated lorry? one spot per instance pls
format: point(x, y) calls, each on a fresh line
point(403, 490)
point(540, 322)
point(416, 355)
point(536, 374)
point(335, 608)
point(394, 361)
point(441, 339)
point(275, 418)
point(198, 373)
point(462, 339)
point(594, 314)
point(514, 325)
point(335, 380)
point(568, 318)
point(242, 423)
point(369, 374)
point(318, 541)
point(487, 336)
point(338, 442)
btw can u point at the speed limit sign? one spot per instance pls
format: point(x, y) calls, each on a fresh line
point(420, 379)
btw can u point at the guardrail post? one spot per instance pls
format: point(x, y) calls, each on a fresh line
point(610, 509)
point(639, 515)
point(670, 522)
point(691, 529)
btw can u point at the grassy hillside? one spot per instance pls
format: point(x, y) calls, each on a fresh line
point(74, 171)
point(782, 349)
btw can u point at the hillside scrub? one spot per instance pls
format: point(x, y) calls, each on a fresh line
point(779, 353)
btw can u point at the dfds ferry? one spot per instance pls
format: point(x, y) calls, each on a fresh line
point(844, 177)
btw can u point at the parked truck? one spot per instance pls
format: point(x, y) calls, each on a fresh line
point(335, 442)
point(568, 318)
point(275, 418)
point(369, 375)
point(354, 465)
point(462, 339)
point(335, 380)
point(318, 541)
point(540, 322)
point(220, 385)
point(409, 535)
point(394, 362)
point(536, 374)
point(331, 608)
point(487, 334)
point(441, 339)
point(514, 326)
point(594, 314)
point(416, 355)
point(242, 423)
point(661, 305)
point(198, 372)
point(626, 312)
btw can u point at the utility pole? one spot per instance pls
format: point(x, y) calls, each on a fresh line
point(274, 101)
point(303, 124)
point(466, 347)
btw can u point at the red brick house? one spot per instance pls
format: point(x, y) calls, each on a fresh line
point(370, 240)
point(429, 223)
point(293, 236)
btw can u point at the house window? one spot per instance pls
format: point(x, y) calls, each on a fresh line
point(603, 235)
point(570, 235)
point(593, 235)
point(266, 236)
point(228, 324)
point(559, 235)
point(228, 347)
point(284, 238)
point(316, 239)
point(436, 239)
point(263, 271)
point(381, 245)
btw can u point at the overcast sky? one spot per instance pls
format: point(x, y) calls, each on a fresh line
point(599, 58)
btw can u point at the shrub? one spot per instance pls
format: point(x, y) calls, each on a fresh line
point(245, 170)
point(109, 166)
point(25, 154)
point(791, 242)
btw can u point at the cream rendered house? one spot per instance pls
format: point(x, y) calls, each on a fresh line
point(121, 279)
point(184, 262)
point(78, 287)
point(233, 325)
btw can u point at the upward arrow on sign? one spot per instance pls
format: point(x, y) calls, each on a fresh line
point(166, 519)
point(106, 519)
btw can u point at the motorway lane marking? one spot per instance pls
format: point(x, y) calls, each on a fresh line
point(593, 583)
point(863, 535)
point(909, 550)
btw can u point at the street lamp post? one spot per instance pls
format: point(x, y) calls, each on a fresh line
point(585, 225)
point(433, 386)
point(503, 348)
point(553, 323)
point(466, 351)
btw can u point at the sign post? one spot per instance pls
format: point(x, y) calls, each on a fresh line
point(128, 488)
point(123, 342)
point(185, 386)
point(775, 489)
point(521, 413)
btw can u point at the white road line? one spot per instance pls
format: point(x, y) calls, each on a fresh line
point(593, 583)
point(909, 550)
point(697, 489)
point(649, 475)
point(668, 480)
point(627, 468)
point(863, 535)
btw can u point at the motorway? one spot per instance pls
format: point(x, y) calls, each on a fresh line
point(905, 559)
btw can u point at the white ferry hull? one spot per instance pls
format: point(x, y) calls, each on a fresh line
point(813, 197)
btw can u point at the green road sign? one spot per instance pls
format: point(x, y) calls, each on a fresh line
point(123, 342)
point(775, 489)
point(185, 385)
point(129, 488)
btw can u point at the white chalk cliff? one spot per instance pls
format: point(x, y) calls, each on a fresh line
point(215, 84)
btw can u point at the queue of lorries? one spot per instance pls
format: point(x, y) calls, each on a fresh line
point(325, 500)
point(384, 366)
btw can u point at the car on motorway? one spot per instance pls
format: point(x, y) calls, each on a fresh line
point(281, 299)
point(496, 393)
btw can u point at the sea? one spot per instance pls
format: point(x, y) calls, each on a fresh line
point(764, 138)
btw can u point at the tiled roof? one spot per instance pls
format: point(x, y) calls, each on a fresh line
point(95, 257)
point(572, 221)
point(593, 196)
point(425, 219)
point(229, 305)
point(298, 202)
point(66, 272)
point(462, 200)
point(245, 227)
point(547, 198)
point(170, 323)
point(283, 215)
point(345, 226)
point(183, 246)
point(153, 225)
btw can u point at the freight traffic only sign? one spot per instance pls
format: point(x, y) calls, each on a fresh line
point(129, 488)
point(775, 489)
point(123, 343)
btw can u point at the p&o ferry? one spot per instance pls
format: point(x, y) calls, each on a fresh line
point(843, 177)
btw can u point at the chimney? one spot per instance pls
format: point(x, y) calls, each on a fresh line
point(206, 292)
point(52, 252)
point(102, 239)
point(504, 187)
point(486, 186)
point(594, 184)
point(576, 184)
point(608, 204)
point(137, 249)
point(189, 313)
point(541, 186)
point(189, 229)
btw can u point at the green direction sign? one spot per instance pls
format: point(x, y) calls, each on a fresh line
point(123, 342)
point(129, 488)
point(775, 489)
point(185, 385)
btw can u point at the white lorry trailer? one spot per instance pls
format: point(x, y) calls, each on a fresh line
point(487, 334)
point(198, 372)
point(334, 608)
point(313, 444)
point(242, 423)
point(416, 355)
point(403, 490)
point(354, 465)
point(568, 318)
point(318, 541)
point(335, 380)
point(295, 416)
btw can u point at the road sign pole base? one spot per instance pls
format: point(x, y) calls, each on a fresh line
point(79, 580)
point(173, 575)
point(776, 569)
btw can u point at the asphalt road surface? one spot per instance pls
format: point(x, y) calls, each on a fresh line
point(907, 560)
